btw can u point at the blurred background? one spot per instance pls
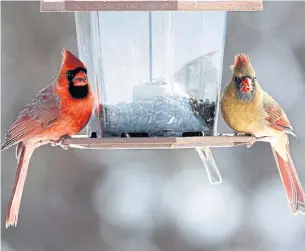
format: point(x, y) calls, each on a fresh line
point(153, 200)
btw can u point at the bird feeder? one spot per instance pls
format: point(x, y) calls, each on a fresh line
point(156, 75)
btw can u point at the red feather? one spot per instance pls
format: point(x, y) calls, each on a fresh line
point(292, 185)
point(276, 116)
point(35, 118)
point(241, 59)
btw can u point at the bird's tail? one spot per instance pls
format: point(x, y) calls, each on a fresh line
point(24, 153)
point(292, 185)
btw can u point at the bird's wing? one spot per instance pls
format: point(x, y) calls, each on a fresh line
point(36, 117)
point(276, 117)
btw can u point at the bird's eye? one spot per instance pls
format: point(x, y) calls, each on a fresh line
point(69, 75)
point(237, 79)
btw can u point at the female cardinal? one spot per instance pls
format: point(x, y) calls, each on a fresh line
point(61, 109)
point(247, 109)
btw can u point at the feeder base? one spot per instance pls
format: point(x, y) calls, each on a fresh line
point(83, 142)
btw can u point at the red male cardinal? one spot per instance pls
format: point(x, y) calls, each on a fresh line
point(248, 109)
point(61, 109)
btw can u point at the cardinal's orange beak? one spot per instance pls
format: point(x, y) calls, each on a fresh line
point(80, 79)
point(246, 85)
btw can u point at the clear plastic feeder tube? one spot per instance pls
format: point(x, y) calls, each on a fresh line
point(90, 52)
point(156, 74)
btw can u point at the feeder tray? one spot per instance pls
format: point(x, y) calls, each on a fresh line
point(83, 142)
point(156, 76)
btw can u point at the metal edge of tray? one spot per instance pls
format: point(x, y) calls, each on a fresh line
point(83, 142)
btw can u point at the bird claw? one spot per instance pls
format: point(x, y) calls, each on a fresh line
point(239, 134)
point(60, 142)
point(263, 138)
point(243, 134)
point(65, 147)
point(249, 144)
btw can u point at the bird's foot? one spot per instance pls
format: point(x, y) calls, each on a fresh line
point(242, 134)
point(239, 134)
point(60, 142)
point(249, 144)
point(263, 138)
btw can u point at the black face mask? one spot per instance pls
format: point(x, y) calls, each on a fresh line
point(77, 92)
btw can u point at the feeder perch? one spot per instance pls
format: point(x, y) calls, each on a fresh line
point(156, 75)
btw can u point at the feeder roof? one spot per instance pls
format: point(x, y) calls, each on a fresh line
point(149, 5)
